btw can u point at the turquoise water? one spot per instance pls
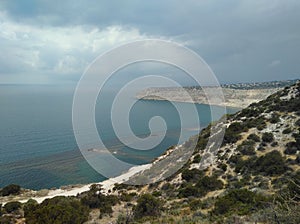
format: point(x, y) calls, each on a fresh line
point(37, 145)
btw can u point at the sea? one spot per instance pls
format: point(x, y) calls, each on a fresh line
point(37, 145)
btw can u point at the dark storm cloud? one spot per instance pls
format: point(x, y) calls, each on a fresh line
point(241, 40)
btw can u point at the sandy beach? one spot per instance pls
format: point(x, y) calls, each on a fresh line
point(106, 186)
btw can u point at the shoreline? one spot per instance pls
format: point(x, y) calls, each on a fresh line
point(234, 98)
point(199, 103)
point(73, 191)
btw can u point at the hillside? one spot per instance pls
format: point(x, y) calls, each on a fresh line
point(253, 178)
point(238, 95)
point(259, 157)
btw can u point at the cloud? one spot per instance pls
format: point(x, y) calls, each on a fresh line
point(56, 50)
point(237, 38)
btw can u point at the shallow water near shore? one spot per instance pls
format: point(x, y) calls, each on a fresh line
point(38, 147)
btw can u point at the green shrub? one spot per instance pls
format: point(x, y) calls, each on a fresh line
point(10, 189)
point(267, 137)
point(197, 159)
point(274, 144)
point(239, 202)
point(127, 197)
point(291, 148)
point(287, 131)
point(247, 147)
point(190, 190)
point(201, 144)
point(29, 206)
point(209, 183)
point(254, 137)
point(271, 164)
point(195, 204)
point(259, 123)
point(223, 166)
point(12, 206)
point(232, 133)
point(67, 210)
point(147, 205)
point(275, 118)
point(250, 112)
point(192, 175)
point(105, 209)
point(95, 199)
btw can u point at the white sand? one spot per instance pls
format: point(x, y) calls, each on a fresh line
point(106, 185)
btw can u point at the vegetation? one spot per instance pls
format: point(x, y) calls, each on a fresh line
point(239, 202)
point(192, 175)
point(197, 159)
point(95, 199)
point(147, 205)
point(201, 188)
point(254, 137)
point(275, 118)
point(292, 148)
point(12, 206)
point(267, 137)
point(270, 164)
point(232, 133)
point(58, 210)
point(249, 183)
point(247, 147)
point(11, 189)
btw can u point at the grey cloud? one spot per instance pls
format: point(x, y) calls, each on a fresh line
point(239, 39)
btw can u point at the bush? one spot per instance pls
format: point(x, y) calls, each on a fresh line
point(67, 210)
point(273, 144)
point(259, 123)
point(94, 199)
point(127, 197)
point(271, 164)
point(207, 184)
point(287, 131)
point(232, 133)
point(254, 137)
point(10, 189)
point(147, 205)
point(192, 175)
point(247, 147)
point(274, 119)
point(250, 112)
point(195, 204)
point(29, 206)
point(12, 206)
point(291, 148)
point(223, 167)
point(239, 202)
point(190, 190)
point(201, 144)
point(268, 137)
point(197, 159)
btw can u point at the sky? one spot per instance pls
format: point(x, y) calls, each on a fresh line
point(46, 42)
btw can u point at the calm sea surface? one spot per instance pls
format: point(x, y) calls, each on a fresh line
point(38, 147)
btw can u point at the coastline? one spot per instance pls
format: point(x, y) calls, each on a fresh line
point(234, 98)
point(235, 107)
point(107, 185)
